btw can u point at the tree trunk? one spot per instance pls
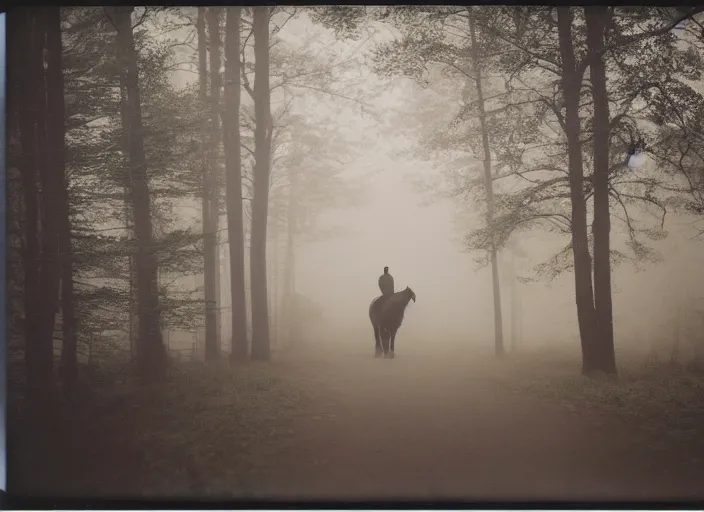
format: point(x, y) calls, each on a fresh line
point(49, 259)
point(133, 314)
point(233, 176)
point(20, 27)
point(56, 135)
point(206, 209)
point(597, 18)
point(151, 354)
point(215, 204)
point(204, 131)
point(260, 201)
point(489, 189)
point(571, 85)
point(26, 32)
point(210, 249)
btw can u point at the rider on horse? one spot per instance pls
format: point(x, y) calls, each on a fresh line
point(387, 318)
point(386, 283)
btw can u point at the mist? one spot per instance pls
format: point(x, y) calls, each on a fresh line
point(202, 202)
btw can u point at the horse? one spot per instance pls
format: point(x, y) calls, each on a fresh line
point(386, 316)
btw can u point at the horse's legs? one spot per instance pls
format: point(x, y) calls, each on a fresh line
point(389, 354)
point(385, 334)
point(377, 339)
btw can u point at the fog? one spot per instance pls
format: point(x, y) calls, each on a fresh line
point(416, 243)
point(418, 238)
point(387, 138)
point(420, 235)
point(419, 232)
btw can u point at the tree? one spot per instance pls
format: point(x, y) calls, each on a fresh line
point(302, 79)
point(92, 248)
point(436, 37)
point(649, 46)
point(151, 352)
point(210, 137)
point(571, 88)
point(212, 192)
point(206, 169)
point(262, 139)
point(676, 112)
point(597, 19)
point(98, 167)
point(56, 134)
point(488, 186)
point(233, 176)
point(49, 121)
point(522, 52)
point(27, 29)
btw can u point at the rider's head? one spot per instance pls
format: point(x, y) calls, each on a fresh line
point(386, 270)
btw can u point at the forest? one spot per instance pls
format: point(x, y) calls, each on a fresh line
point(173, 172)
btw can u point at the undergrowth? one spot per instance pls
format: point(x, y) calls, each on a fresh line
point(664, 401)
point(202, 432)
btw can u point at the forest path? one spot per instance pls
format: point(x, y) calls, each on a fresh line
point(441, 426)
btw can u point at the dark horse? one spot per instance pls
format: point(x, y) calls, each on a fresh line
point(386, 315)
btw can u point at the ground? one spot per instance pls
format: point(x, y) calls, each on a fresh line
point(450, 425)
point(339, 424)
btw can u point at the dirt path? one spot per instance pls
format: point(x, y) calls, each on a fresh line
point(439, 426)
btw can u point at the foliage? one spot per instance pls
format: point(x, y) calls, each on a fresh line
point(199, 433)
point(313, 158)
point(519, 49)
point(97, 169)
point(660, 400)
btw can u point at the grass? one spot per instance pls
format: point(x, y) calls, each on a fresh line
point(203, 432)
point(663, 402)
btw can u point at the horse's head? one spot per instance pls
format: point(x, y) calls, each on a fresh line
point(410, 293)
